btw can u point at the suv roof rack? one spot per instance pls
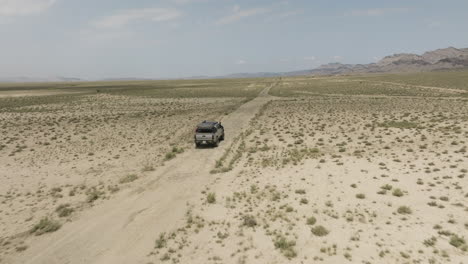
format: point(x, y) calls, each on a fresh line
point(207, 124)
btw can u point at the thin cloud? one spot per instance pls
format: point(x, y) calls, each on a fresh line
point(241, 62)
point(184, 2)
point(374, 12)
point(24, 7)
point(310, 58)
point(337, 58)
point(434, 24)
point(126, 17)
point(239, 14)
point(291, 13)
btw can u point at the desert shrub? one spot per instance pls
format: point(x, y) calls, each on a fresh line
point(56, 192)
point(45, 225)
point(320, 231)
point(129, 178)
point(360, 196)
point(399, 124)
point(211, 198)
point(382, 192)
point(93, 194)
point(286, 247)
point(169, 155)
point(457, 241)
point(405, 255)
point(113, 189)
point(64, 210)
point(397, 192)
point(21, 248)
point(404, 210)
point(161, 241)
point(300, 191)
point(249, 221)
point(147, 167)
point(311, 220)
point(387, 187)
point(177, 150)
point(430, 242)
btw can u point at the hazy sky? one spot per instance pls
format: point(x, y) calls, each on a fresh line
point(175, 38)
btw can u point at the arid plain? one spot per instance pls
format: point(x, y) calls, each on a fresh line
point(347, 169)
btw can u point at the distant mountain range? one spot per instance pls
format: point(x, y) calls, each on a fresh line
point(442, 59)
point(437, 60)
point(33, 79)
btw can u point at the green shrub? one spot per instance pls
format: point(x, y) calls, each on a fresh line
point(93, 194)
point(249, 221)
point(360, 196)
point(129, 178)
point(286, 247)
point(397, 193)
point(169, 155)
point(161, 241)
point(457, 241)
point(64, 210)
point(404, 210)
point(387, 187)
point(320, 231)
point(45, 225)
point(211, 198)
point(399, 124)
point(177, 150)
point(430, 242)
point(311, 220)
point(300, 191)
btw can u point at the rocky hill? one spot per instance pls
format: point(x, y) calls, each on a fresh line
point(441, 59)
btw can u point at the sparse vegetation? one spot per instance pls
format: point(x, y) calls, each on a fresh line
point(360, 196)
point(64, 210)
point(319, 231)
point(211, 198)
point(128, 178)
point(93, 194)
point(404, 210)
point(249, 221)
point(457, 241)
point(311, 220)
point(286, 247)
point(312, 160)
point(45, 225)
point(161, 241)
point(397, 192)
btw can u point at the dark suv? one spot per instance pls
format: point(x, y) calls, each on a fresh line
point(209, 133)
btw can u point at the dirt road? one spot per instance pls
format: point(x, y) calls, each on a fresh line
point(123, 229)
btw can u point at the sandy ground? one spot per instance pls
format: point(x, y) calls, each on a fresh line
point(77, 153)
point(187, 170)
point(16, 93)
point(347, 179)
